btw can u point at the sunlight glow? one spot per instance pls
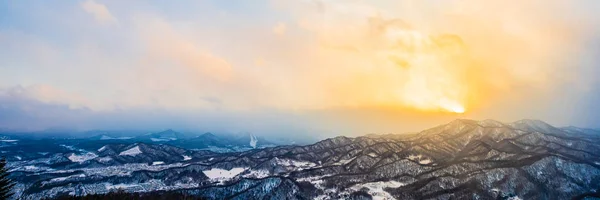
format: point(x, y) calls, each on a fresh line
point(457, 109)
point(435, 69)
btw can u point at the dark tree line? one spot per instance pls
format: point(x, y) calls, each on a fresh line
point(6, 184)
point(122, 195)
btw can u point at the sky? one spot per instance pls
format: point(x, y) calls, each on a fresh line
point(313, 67)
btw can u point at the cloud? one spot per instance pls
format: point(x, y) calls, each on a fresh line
point(412, 58)
point(279, 29)
point(429, 56)
point(259, 62)
point(39, 107)
point(99, 11)
point(48, 94)
point(162, 41)
point(34, 109)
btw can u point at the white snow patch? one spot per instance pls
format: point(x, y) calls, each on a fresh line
point(425, 161)
point(158, 163)
point(372, 154)
point(67, 177)
point(82, 158)
point(376, 189)
point(109, 186)
point(343, 162)
point(31, 167)
point(9, 140)
point(18, 158)
point(253, 141)
point(102, 148)
point(104, 159)
point(221, 174)
point(420, 159)
point(131, 152)
point(295, 163)
point(186, 157)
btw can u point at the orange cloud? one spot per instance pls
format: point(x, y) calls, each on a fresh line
point(162, 41)
point(454, 56)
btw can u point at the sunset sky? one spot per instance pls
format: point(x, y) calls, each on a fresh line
point(319, 67)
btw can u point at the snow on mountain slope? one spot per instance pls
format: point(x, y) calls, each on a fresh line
point(158, 163)
point(377, 189)
point(217, 174)
point(102, 148)
point(534, 125)
point(464, 159)
point(131, 152)
point(82, 158)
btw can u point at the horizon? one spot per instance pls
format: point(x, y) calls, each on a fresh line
point(308, 68)
point(195, 133)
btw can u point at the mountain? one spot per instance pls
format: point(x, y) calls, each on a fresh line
point(18, 148)
point(577, 130)
point(464, 159)
point(222, 143)
point(206, 140)
point(163, 136)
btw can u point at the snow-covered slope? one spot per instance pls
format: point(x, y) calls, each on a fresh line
point(131, 152)
point(464, 159)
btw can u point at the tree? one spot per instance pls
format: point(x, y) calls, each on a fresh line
point(6, 184)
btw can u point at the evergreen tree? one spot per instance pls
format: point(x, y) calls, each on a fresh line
point(6, 184)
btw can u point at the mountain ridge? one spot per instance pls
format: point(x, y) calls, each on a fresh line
point(463, 159)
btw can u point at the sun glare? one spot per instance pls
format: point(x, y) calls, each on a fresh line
point(435, 67)
point(452, 106)
point(458, 109)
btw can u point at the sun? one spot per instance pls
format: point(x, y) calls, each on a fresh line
point(451, 106)
point(457, 109)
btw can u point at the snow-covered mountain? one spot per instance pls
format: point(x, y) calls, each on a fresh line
point(464, 159)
